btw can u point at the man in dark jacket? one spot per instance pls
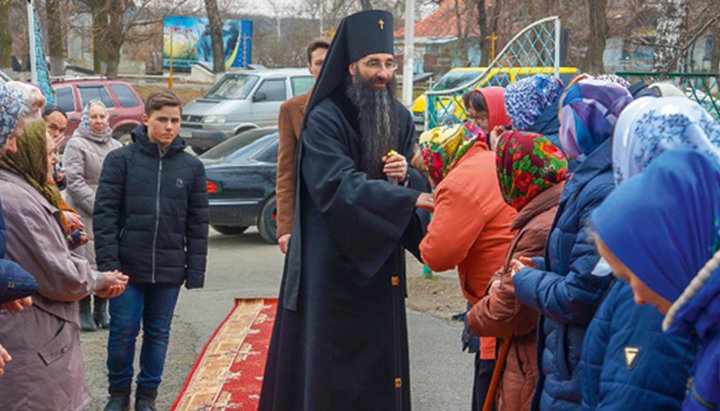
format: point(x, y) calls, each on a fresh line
point(150, 222)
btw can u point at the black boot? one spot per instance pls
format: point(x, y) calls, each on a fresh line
point(145, 399)
point(119, 399)
point(86, 320)
point(100, 312)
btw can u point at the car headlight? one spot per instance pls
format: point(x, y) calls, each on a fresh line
point(214, 119)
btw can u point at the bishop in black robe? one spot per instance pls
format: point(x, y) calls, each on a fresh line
point(339, 340)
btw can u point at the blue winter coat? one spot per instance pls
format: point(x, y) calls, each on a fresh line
point(561, 287)
point(627, 361)
point(548, 124)
point(15, 282)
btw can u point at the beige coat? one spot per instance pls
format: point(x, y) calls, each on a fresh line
point(83, 160)
point(46, 372)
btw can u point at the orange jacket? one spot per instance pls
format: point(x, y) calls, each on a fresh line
point(470, 228)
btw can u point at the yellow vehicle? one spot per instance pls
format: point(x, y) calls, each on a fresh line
point(500, 76)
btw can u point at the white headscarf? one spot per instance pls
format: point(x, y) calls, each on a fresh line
point(650, 126)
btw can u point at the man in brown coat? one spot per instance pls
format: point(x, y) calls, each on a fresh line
point(289, 126)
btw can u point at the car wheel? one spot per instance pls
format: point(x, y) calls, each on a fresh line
point(267, 221)
point(229, 230)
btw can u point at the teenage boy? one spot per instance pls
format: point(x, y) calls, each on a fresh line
point(151, 223)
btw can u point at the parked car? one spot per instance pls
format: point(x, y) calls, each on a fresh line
point(238, 102)
point(124, 104)
point(241, 183)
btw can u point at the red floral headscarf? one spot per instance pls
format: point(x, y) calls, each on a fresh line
point(527, 165)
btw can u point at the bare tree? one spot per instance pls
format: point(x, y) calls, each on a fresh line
point(216, 37)
point(671, 28)
point(54, 43)
point(464, 21)
point(5, 38)
point(366, 5)
point(598, 34)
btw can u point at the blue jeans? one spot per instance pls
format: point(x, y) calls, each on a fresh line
point(153, 304)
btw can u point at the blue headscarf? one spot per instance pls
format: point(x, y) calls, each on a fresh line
point(589, 111)
point(650, 126)
point(664, 225)
point(527, 99)
point(12, 106)
point(85, 121)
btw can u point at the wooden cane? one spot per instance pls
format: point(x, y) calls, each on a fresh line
point(497, 374)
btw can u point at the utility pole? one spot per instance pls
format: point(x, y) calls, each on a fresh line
point(31, 38)
point(409, 58)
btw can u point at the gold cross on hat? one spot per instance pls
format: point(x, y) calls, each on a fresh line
point(381, 23)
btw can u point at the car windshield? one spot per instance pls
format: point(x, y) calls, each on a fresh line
point(227, 150)
point(233, 87)
point(454, 79)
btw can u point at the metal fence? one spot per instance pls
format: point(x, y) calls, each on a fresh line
point(701, 87)
point(537, 45)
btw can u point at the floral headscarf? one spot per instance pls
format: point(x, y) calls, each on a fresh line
point(650, 126)
point(589, 111)
point(442, 147)
point(528, 98)
point(614, 79)
point(527, 165)
point(12, 107)
point(30, 161)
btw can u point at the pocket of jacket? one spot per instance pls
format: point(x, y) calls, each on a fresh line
point(54, 349)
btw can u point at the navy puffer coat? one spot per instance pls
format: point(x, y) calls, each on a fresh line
point(628, 362)
point(562, 288)
point(151, 213)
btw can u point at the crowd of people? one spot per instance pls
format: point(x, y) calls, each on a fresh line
point(582, 219)
point(151, 224)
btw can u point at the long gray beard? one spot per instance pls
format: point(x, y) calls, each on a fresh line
point(377, 117)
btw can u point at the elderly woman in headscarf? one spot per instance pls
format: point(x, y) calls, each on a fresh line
point(532, 104)
point(660, 233)
point(485, 110)
point(47, 368)
point(532, 173)
point(560, 285)
point(84, 156)
point(652, 374)
point(470, 229)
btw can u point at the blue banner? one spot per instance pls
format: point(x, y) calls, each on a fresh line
point(191, 42)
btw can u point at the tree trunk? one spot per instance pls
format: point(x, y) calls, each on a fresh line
point(5, 38)
point(716, 50)
point(461, 48)
point(484, 33)
point(115, 37)
point(216, 38)
point(366, 5)
point(598, 35)
point(99, 34)
point(55, 43)
point(670, 30)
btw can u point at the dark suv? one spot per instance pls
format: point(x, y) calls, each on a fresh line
point(124, 104)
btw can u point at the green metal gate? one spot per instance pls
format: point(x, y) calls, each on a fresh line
point(701, 87)
point(537, 45)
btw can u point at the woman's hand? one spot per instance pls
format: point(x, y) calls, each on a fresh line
point(425, 201)
point(73, 221)
point(16, 306)
point(515, 266)
point(527, 261)
point(4, 359)
point(113, 285)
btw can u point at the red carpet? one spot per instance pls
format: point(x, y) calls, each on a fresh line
point(228, 373)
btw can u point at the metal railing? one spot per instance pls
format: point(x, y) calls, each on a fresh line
point(537, 45)
point(701, 87)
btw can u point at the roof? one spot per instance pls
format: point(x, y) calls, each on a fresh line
point(441, 23)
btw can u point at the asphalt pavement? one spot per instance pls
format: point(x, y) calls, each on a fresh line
point(244, 266)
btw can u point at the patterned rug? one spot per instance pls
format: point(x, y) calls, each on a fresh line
point(228, 373)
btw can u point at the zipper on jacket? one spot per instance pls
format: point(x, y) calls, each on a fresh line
point(157, 217)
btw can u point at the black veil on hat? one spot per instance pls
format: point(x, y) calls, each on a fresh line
point(357, 35)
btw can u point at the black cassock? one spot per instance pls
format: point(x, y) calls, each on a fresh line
point(340, 336)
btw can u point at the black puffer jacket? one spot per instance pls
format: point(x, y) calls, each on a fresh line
point(151, 214)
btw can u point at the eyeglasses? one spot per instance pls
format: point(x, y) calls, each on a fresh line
point(377, 65)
